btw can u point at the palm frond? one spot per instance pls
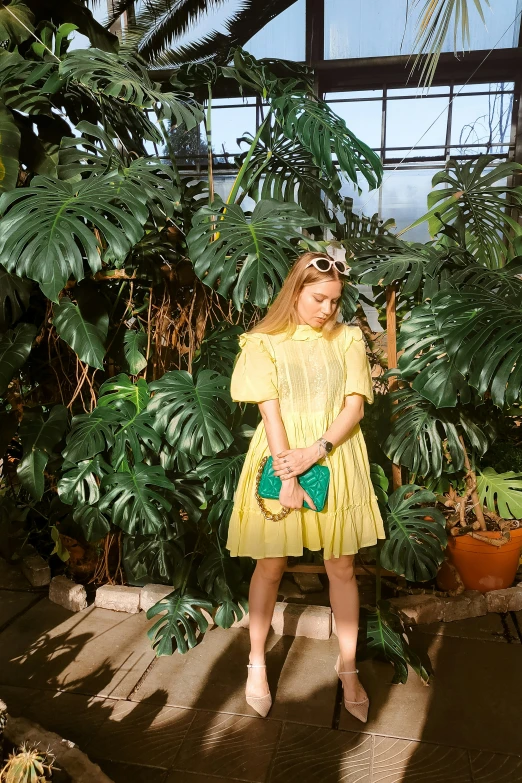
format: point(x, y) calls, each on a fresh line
point(433, 27)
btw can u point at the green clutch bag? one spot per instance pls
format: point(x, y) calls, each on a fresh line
point(314, 481)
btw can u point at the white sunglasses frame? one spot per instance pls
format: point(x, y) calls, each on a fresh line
point(331, 262)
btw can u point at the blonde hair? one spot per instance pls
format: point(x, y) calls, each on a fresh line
point(282, 314)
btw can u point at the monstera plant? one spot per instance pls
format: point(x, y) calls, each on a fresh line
point(460, 340)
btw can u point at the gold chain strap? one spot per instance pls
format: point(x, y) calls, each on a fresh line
point(264, 510)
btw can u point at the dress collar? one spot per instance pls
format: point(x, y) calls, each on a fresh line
point(306, 332)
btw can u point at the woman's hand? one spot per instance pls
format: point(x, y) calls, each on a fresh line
point(298, 460)
point(292, 495)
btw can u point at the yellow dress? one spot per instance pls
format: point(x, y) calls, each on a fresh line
point(310, 375)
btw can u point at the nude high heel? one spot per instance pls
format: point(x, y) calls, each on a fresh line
point(359, 709)
point(260, 704)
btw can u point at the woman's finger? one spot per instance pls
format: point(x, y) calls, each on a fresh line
point(309, 500)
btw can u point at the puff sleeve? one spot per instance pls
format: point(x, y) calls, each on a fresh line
point(254, 377)
point(358, 374)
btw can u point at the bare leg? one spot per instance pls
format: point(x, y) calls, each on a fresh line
point(344, 598)
point(262, 599)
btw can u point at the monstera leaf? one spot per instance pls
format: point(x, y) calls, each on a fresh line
point(218, 350)
point(380, 485)
point(222, 474)
point(145, 178)
point(176, 629)
point(86, 337)
point(223, 237)
point(121, 389)
point(383, 638)
point(125, 78)
point(327, 137)
point(39, 436)
point(191, 415)
point(416, 436)
point(14, 298)
point(10, 138)
point(468, 193)
point(283, 170)
point(16, 22)
point(134, 344)
point(43, 231)
point(482, 334)
point(93, 523)
point(415, 535)
point(501, 492)
point(220, 577)
point(134, 502)
point(424, 359)
point(15, 347)
point(91, 433)
point(153, 558)
point(81, 484)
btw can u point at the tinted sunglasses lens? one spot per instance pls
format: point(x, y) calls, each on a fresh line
point(323, 264)
point(341, 267)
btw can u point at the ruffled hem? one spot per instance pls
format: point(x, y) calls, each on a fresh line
point(343, 532)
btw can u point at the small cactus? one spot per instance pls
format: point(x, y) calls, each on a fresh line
point(28, 765)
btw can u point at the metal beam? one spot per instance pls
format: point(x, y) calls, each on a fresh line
point(371, 72)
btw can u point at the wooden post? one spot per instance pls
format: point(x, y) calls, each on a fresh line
point(391, 333)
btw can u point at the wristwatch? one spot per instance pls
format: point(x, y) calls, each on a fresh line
point(326, 443)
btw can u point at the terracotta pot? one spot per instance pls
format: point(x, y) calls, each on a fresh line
point(481, 566)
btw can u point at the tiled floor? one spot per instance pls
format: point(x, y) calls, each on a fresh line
point(93, 678)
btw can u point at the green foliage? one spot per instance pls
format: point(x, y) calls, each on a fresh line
point(39, 436)
point(10, 138)
point(85, 338)
point(383, 639)
point(223, 236)
point(470, 198)
point(191, 415)
point(182, 620)
point(15, 346)
point(415, 534)
point(501, 492)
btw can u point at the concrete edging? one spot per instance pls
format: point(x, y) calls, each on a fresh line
point(317, 622)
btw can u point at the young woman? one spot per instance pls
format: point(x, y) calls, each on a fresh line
point(310, 377)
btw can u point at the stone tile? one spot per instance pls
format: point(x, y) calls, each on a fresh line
point(317, 755)
point(97, 652)
point(11, 577)
point(16, 698)
point(73, 716)
point(212, 676)
point(472, 679)
point(230, 746)
point(142, 733)
point(402, 761)
point(131, 773)
point(12, 603)
point(305, 691)
point(495, 768)
point(489, 628)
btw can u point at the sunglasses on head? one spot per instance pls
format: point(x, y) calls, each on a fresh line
point(324, 264)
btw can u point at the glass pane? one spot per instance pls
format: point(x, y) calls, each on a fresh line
point(417, 92)
point(359, 28)
point(228, 125)
point(462, 89)
point(364, 119)
point(404, 198)
point(223, 184)
point(283, 37)
point(353, 95)
point(410, 122)
point(236, 101)
point(481, 119)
